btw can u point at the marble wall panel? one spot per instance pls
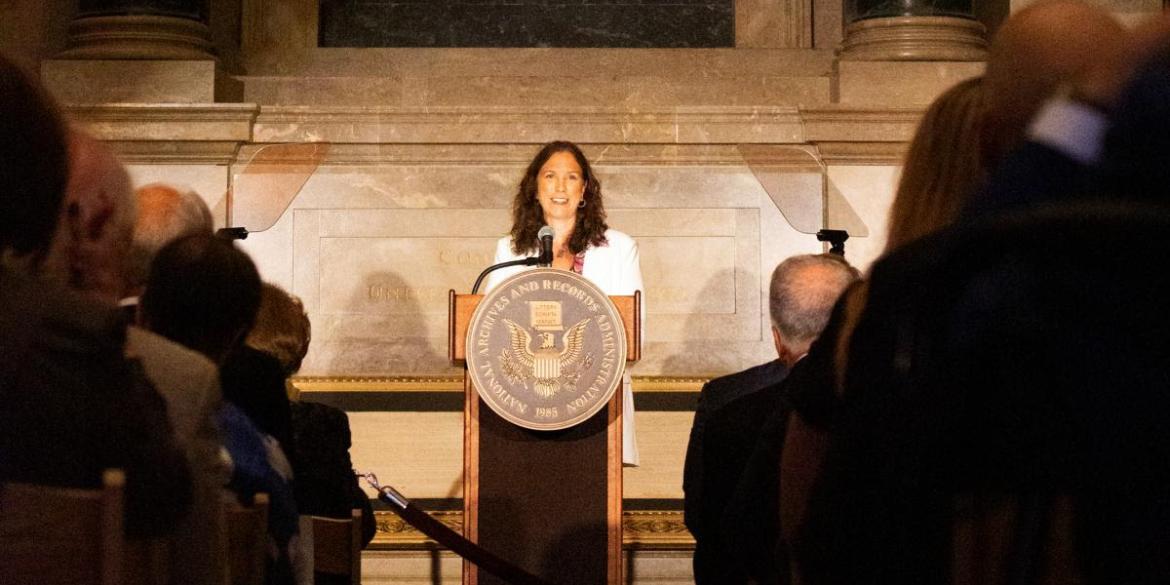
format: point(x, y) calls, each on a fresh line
point(209, 181)
point(421, 453)
point(671, 291)
point(377, 289)
point(868, 192)
point(899, 83)
point(662, 447)
point(526, 23)
point(628, 91)
point(373, 248)
point(90, 82)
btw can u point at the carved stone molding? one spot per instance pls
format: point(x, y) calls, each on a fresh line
point(915, 38)
point(387, 135)
point(850, 124)
point(138, 37)
point(862, 153)
point(167, 122)
point(175, 152)
point(461, 124)
point(641, 530)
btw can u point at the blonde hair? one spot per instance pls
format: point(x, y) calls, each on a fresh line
point(282, 328)
point(942, 165)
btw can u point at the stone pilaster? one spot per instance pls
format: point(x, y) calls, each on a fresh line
point(912, 30)
point(139, 51)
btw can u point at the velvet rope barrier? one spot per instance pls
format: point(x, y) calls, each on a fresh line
point(454, 541)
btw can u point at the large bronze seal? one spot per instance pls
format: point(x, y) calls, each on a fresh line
point(546, 349)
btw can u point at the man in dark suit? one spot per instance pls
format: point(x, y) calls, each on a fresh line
point(714, 395)
point(801, 296)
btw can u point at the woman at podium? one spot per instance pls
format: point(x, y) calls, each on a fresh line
point(560, 190)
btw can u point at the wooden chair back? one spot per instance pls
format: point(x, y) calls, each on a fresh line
point(56, 535)
point(337, 546)
point(246, 536)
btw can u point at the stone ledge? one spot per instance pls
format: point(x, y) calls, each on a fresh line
point(461, 124)
point(176, 151)
point(852, 124)
point(167, 122)
point(694, 135)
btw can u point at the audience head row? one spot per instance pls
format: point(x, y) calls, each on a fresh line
point(800, 298)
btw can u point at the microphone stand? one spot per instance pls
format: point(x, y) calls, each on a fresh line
point(533, 261)
point(544, 259)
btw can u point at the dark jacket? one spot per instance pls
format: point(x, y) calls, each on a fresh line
point(325, 480)
point(714, 395)
point(75, 406)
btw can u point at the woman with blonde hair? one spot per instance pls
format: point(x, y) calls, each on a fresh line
point(942, 166)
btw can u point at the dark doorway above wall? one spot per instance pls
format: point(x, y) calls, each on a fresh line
point(527, 23)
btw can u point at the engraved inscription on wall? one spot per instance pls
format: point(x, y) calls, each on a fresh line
point(527, 23)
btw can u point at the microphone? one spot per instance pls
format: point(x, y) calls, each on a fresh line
point(545, 235)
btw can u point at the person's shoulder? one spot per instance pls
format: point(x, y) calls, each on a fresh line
point(156, 350)
point(749, 411)
point(58, 318)
point(618, 239)
point(751, 379)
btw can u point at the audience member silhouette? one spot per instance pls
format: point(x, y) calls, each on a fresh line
point(92, 249)
point(204, 293)
point(74, 405)
point(802, 293)
point(325, 481)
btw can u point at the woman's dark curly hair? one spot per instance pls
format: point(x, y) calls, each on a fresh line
point(528, 218)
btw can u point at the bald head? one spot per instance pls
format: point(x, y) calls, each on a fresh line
point(801, 297)
point(1047, 44)
point(165, 214)
point(93, 232)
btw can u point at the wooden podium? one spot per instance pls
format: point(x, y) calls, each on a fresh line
point(548, 501)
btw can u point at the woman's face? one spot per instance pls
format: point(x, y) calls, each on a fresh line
point(560, 187)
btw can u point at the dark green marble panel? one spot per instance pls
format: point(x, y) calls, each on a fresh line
point(192, 9)
point(527, 23)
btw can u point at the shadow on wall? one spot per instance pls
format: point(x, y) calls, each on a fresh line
point(702, 349)
point(384, 332)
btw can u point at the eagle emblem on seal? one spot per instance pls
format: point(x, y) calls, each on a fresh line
point(547, 367)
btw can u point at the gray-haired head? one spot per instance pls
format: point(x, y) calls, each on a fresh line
point(165, 214)
point(801, 297)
